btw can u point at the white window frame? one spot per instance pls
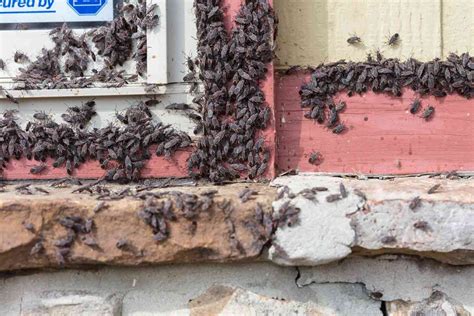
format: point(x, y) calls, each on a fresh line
point(157, 57)
point(168, 46)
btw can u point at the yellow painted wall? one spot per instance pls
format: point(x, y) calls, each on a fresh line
point(458, 26)
point(315, 31)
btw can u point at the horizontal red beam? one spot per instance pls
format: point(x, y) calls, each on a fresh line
point(156, 167)
point(382, 136)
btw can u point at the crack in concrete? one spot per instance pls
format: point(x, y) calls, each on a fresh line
point(369, 293)
point(298, 276)
point(383, 304)
point(383, 308)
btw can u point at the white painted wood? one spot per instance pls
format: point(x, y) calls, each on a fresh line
point(129, 90)
point(31, 42)
point(106, 107)
point(157, 39)
point(181, 37)
point(168, 45)
point(172, 41)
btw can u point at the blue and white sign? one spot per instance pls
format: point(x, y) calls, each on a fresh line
point(87, 7)
point(55, 11)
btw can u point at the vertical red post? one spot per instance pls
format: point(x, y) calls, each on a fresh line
point(232, 9)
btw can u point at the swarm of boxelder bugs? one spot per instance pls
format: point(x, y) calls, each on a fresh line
point(75, 226)
point(385, 75)
point(65, 65)
point(122, 150)
point(234, 108)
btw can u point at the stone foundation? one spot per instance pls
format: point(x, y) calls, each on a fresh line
point(358, 286)
point(364, 254)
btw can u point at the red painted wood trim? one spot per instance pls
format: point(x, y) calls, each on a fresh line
point(383, 137)
point(269, 134)
point(157, 167)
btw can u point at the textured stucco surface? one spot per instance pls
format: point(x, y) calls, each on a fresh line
point(458, 26)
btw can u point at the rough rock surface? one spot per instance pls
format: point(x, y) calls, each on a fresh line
point(27, 219)
point(393, 278)
point(355, 286)
point(436, 304)
point(73, 303)
point(191, 289)
point(222, 300)
point(324, 232)
point(440, 227)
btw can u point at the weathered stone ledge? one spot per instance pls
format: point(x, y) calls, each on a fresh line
point(441, 227)
point(212, 236)
point(375, 218)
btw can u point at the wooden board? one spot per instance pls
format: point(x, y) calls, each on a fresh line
point(302, 32)
point(383, 137)
point(418, 22)
point(457, 26)
point(315, 31)
point(156, 167)
point(269, 134)
point(106, 109)
point(167, 56)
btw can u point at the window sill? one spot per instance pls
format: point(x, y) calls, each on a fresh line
point(128, 90)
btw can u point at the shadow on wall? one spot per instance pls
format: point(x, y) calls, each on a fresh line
point(302, 32)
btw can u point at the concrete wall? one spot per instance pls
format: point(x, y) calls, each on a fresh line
point(347, 288)
point(315, 31)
